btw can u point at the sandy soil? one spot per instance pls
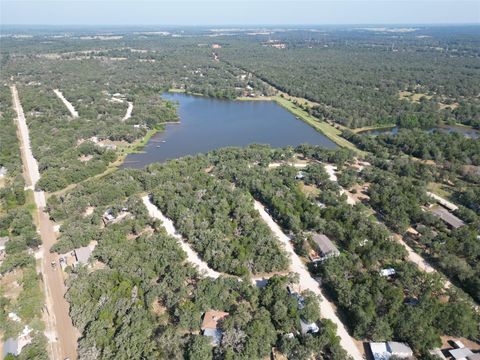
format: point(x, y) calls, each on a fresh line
point(168, 225)
point(330, 169)
point(67, 103)
point(128, 114)
point(327, 309)
point(59, 328)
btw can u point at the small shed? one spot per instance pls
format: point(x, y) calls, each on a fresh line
point(387, 272)
point(308, 328)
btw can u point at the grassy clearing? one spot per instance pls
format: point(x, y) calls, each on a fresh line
point(440, 189)
point(321, 126)
point(372, 127)
point(246, 98)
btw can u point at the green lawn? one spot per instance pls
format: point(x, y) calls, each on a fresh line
point(321, 126)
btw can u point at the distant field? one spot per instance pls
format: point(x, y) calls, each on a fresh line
point(326, 129)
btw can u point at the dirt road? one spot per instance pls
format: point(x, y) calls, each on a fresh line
point(192, 256)
point(330, 169)
point(308, 282)
point(67, 103)
point(61, 334)
point(128, 114)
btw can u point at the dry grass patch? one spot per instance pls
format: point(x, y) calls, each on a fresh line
point(9, 284)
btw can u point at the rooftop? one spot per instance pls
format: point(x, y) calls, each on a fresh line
point(83, 254)
point(212, 318)
point(447, 217)
point(325, 245)
point(461, 353)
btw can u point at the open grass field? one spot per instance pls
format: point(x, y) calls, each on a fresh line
point(321, 126)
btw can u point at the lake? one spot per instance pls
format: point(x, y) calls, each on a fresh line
point(207, 124)
point(467, 132)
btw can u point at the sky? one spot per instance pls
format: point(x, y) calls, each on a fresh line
point(238, 12)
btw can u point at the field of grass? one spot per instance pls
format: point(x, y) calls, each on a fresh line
point(372, 127)
point(321, 126)
point(439, 189)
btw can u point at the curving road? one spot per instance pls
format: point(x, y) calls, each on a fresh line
point(62, 336)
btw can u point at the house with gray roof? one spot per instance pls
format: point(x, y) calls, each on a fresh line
point(447, 217)
point(325, 247)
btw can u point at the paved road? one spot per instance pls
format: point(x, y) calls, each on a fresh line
point(59, 328)
point(192, 256)
point(67, 103)
point(308, 282)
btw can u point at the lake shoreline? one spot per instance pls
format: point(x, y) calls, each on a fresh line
point(231, 123)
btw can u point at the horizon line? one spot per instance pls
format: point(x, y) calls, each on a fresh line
point(254, 25)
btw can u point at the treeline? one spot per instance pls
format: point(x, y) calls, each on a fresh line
point(11, 183)
point(218, 220)
point(358, 86)
point(17, 263)
point(437, 145)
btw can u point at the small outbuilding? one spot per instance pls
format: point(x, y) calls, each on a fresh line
point(308, 328)
point(387, 272)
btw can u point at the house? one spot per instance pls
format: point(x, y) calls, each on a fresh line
point(387, 272)
point(325, 247)
point(386, 350)
point(210, 325)
point(308, 328)
point(82, 255)
point(448, 218)
point(461, 353)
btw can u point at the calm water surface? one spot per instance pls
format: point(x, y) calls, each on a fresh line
point(207, 124)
